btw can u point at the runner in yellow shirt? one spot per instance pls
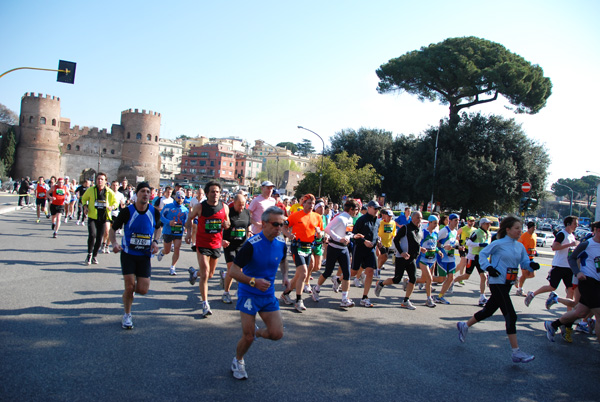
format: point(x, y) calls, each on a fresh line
point(386, 233)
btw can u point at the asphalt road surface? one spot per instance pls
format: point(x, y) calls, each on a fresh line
point(61, 338)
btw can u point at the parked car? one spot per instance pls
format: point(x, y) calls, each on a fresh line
point(546, 227)
point(544, 239)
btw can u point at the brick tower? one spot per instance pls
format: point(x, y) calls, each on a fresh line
point(38, 152)
point(140, 156)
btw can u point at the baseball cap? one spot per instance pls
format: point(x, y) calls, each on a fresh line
point(471, 218)
point(453, 216)
point(374, 204)
point(389, 212)
point(484, 220)
point(433, 218)
point(267, 183)
point(275, 193)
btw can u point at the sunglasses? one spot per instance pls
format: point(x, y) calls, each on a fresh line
point(276, 224)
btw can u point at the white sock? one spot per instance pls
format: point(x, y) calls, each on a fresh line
point(344, 295)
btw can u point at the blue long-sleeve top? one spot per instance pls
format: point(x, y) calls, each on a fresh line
point(505, 253)
point(176, 212)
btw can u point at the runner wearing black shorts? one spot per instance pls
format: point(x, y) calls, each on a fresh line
point(233, 239)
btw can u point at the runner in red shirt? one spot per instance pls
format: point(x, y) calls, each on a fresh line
point(213, 217)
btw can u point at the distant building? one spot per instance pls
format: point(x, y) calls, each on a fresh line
point(171, 153)
point(211, 161)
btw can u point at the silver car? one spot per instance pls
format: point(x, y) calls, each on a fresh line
point(544, 238)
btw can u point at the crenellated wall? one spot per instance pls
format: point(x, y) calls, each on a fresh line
point(50, 146)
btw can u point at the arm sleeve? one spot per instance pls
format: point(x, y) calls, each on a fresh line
point(357, 230)
point(574, 257)
point(244, 256)
point(163, 215)
point(121, 219)
point(399, 235)
point(156, 218)
point(333, 227)
point(484, 256)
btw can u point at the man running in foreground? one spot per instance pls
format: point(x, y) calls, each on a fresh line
point(255, 268)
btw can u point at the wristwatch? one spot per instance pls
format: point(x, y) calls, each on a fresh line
point(252, 282)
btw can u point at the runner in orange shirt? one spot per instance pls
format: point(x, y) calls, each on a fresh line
point(529, 240)
point(302, 227)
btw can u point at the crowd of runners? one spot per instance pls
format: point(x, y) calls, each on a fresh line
point(344, 245)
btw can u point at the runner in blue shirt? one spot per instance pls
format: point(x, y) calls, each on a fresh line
point(173, 216)
point(255, 268)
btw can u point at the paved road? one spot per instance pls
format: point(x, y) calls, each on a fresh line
point(61, 339)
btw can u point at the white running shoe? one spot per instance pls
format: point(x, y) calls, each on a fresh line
point(430, 302)
point(172, 271)
point(521, 357)
point(404, 284)
point(286, 299)
point(357, 283)
point(226, 298)
point(160, 255)
point(482, 300)
point(206, 311)
point(299, 306)
point(408, 305)
point(307, 289)
point(127, 322)
point(363, 276)
point(347, 303)
point(315, 294)
point(336, 284)
point(529, 298)
point(366, 302)
point(378, 288)
point(463, 328)
point(238, 368)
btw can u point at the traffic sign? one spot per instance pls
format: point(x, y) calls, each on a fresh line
point(526, 187)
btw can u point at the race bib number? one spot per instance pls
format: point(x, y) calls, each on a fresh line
point(60, 191)
point(40, 195)
point(100, 204)
point(388, 229)
point(213, 226)
point(140, 242)
point(511, 274)
point(177, 229)
point(429, 254)
point(238, 233)
point(451, 252)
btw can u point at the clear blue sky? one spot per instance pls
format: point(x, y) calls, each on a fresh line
point(259, 69)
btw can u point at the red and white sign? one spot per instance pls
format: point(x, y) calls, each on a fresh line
point(526, 187)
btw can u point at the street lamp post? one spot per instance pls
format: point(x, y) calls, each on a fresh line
point(435, 162)
point(571, 203)
point(322, 156)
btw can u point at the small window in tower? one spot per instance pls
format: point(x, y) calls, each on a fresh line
point(112, 151)
point(149, 137)
point(68, 147)
point(128, 135)
point(54, 122)
point(138, 136)
point(42, 120)
point(31, 119)
point(103, 150)
point(156, 138)
point(77, 148)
